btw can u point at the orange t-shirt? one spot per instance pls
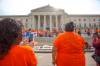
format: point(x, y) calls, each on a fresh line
point(19, 56)
point(69, 47)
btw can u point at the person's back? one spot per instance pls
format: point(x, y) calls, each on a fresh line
point(72, 42)
point(11, 53)
point(68, 48)
point(19, 56)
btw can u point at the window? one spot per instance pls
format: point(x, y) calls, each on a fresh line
point(26, 25)
point(74, 25)
point(99, 19)
point(93, 19)
point(79, 25)
point(90, 25)
point(26, 20)
point(85, 25)
point(79, 19)
point(94, 25)
point(75, 20)
point(84, 19)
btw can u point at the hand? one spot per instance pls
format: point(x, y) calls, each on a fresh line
point(53, 62)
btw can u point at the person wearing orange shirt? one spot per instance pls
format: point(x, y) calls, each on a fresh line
point(68, 48)
point(11, 53)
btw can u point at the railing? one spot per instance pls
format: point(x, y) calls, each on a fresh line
point(49, 41)
point(44, 40)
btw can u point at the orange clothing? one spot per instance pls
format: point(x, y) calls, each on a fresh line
point(69, 49)
point(19, 56)
point(27, 47)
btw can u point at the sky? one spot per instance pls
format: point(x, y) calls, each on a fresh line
point(23, 7)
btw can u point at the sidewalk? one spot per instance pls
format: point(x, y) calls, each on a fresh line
point(44, 59)
point(89, 60)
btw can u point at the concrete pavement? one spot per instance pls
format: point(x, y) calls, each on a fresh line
point(44, 59)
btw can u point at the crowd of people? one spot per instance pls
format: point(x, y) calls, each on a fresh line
point(68, 46)
point(54, 32)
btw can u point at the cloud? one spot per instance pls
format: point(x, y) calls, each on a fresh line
point(70, 6)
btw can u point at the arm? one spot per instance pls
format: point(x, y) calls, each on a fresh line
point(56, 43)
point(54, 55)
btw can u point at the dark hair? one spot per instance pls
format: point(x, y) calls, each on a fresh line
point(9, 32)
point(69, 27)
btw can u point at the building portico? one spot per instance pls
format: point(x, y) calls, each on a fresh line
point(43, 22)
point(50, 18)
point(47, 19)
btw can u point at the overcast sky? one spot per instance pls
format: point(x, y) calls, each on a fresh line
point(23, 7)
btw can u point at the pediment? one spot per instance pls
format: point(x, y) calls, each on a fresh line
point(46, 8)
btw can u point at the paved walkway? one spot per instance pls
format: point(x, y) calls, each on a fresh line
point(89, 60)
point(44, 59)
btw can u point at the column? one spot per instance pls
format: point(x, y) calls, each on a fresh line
point(56, 22)
point(44, 25)
point(33, 22)
point(38, 22)
point(61, 21)
point(50, 23)
point(29, 22)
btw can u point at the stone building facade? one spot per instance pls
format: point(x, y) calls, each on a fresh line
point(48, 17)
